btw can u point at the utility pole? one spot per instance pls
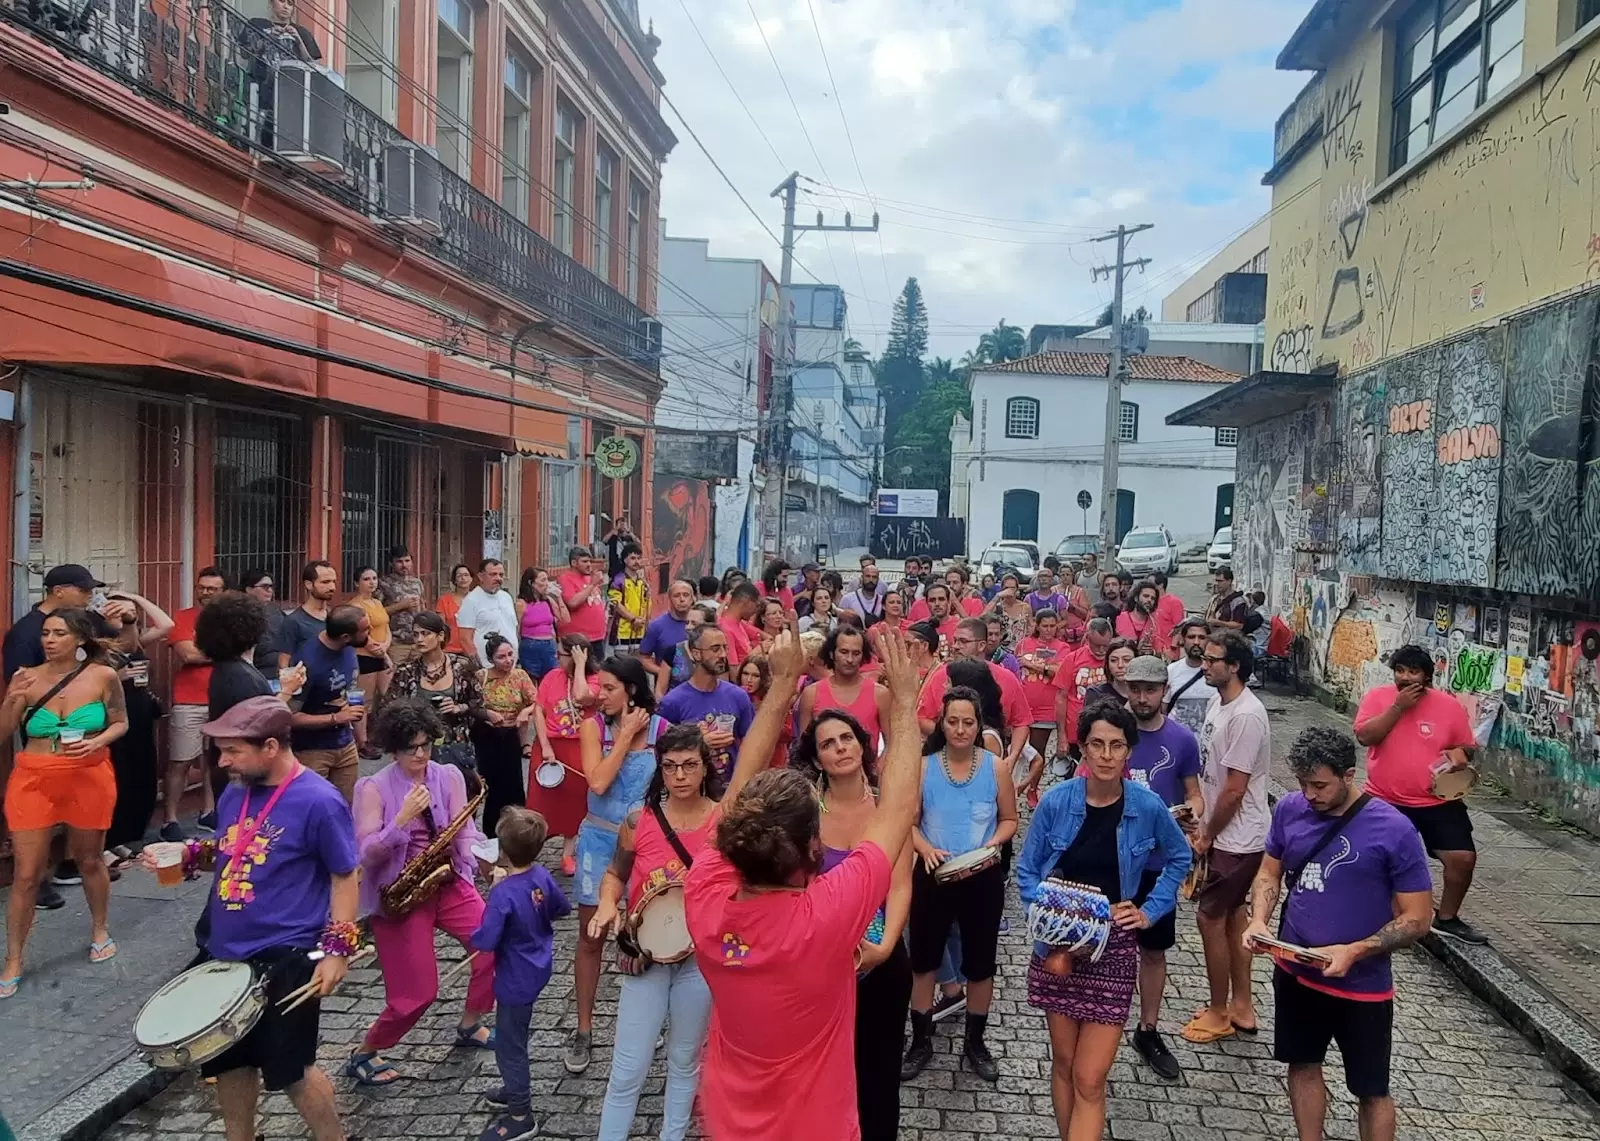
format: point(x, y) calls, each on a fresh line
point(781, 401)
point(1108, 483)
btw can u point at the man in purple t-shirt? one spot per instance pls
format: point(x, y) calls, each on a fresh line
point(722, 710)
point(1359, 890)
point(1167, 761)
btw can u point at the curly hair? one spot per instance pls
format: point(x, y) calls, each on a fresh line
point(769, 834)
point(1112, 714)
point(832, 644)
point(806, 761)
point(680, 739)
point(402, 722)
point(230, 626)
point(1319, 746)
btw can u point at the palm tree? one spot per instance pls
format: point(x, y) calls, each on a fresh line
point(941, 371)
point(1003, 343)
point(851, 345)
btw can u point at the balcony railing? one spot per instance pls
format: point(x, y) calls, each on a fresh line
point(209, 63)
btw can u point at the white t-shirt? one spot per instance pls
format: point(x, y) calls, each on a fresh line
point(1237, 736)
point(1190, 711)
point(484, 614)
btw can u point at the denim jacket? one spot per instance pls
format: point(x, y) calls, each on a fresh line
point(1147, 825)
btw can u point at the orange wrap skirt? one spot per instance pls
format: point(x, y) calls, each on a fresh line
point(47, 789)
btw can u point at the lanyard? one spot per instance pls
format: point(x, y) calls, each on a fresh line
point(248, 828)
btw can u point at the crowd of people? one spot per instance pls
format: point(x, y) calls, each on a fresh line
point(826, 782)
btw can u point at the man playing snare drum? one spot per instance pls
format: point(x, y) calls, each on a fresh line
point(1412, 732)
point(285, 888)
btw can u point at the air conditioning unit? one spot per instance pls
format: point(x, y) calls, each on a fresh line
point(413, 187)
point(308, 111)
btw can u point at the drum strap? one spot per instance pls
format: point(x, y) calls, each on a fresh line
point(1292, 875)
point(1172, 701)
point(671, 834)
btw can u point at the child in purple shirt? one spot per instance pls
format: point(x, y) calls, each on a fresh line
point(518, 928)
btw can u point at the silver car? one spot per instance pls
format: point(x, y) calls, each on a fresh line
point(1146, 550)
point(1220, 553)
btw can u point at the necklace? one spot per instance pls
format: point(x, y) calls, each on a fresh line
point(429, 673)
point(822, 796)
point(944, 763)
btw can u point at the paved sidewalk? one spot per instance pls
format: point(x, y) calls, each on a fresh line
point(71, 1021)
point(1536, 895)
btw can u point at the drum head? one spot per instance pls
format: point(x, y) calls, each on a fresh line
point(1060, 766)
point(955, 865)
point(661, 926)
point(550, 774)
point(192, 1002)
point(1456, 783)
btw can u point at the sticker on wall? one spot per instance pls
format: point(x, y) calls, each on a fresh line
point(1441, 618)
point(1475, 296)
point(1515, 667)
point(1519, 630)
point(1493, 635)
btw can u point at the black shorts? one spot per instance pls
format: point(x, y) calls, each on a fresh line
point(366, 664)
point(1161, 935)
point(974, 904)
point(282, 1046)
point(1306, 1020)
point(1445, 827)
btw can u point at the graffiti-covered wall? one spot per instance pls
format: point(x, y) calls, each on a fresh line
point(1283, 476)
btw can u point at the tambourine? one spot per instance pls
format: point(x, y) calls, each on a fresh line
point(1453, 784)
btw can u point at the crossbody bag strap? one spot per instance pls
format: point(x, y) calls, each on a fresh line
point(45, 700)
point(1292, 875)
point(1183, 689)
point(671, 834)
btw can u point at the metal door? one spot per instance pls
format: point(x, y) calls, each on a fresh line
point(1224, 508)
point(1019, 515)
point(561, 509)
point(1124, 512)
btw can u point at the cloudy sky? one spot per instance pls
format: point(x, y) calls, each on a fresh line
point(994, 137)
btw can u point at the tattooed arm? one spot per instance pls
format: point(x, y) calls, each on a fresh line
point(1413, 912)
point(1264, 893)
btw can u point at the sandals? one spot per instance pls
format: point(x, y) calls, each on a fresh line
point(370, 1070)
point(467, 1036)
point(8, 987)
point(103, 951)
point(1199, 1033)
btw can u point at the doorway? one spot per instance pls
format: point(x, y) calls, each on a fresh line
point(1019, 515)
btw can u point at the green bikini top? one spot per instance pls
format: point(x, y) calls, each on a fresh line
point(45, 725)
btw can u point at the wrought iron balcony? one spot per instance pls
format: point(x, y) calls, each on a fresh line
point(221, 70)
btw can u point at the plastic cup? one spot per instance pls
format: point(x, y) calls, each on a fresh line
point(169, 863)
point(70, 736)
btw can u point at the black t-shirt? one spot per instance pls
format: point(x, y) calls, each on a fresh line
point(1092, 858)
point(231, 683)
point(1106, 609)
point(267, 650)
point(296, 629)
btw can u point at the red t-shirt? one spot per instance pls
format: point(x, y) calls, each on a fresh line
point(562, 717)
point(1400, 767)
point(1038, 687)
point(779, 1060)
point(1013, 703)
point(1172, 610)
point(1136, 626)
point(588, 619)
point(919, 611)
point(1080, 673)
point(785, 595)
point(742, 637)
point(191, 684)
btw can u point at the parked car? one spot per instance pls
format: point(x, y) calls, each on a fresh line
point(1073, 548)
point(1220, 553)
point(1146, 550)
point(1018, 556)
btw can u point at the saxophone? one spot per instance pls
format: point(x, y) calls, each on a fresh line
point(430, 869)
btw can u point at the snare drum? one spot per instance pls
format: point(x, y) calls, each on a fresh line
point(199, 1015)
point(550, 773)
point(966, 865)
point(1453, 784)
point(658, 924)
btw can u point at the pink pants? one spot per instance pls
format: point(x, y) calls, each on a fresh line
point(410, 969)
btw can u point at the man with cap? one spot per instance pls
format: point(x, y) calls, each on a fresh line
point(284, 899)
point(66, 587)
point(1167, 761)
point(810, 575)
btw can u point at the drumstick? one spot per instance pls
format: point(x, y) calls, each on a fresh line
point(457, 969)
point(300, 994)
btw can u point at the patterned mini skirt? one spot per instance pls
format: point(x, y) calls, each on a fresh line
point(1099, 992)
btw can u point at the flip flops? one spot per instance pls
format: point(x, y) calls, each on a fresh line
point(8, 987)
point(103, 951)
point(1198, 1032)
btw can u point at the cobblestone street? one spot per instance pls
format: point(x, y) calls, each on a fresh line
point(1460, 1073)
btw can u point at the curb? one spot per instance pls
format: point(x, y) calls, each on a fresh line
point(1567, 1042)
point(89, 1111)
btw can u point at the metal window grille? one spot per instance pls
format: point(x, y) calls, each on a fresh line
point(1227, 437)
point(561, 508)
point(382, 498)
point(261, 494)
point(1022, 418)
point(1128, 423)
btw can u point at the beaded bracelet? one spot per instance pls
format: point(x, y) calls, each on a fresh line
point(198, 856)
point(341, 940)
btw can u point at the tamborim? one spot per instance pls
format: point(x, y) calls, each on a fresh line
point(967, 864)
point(658, 924)
point(199, 1015)
point(1453, 784)
point(1071, 917)
point(550, 773)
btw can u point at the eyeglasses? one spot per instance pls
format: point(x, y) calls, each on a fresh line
point(670, 768)
point(1106, 748)
point(1213, 658)
point(414, 750)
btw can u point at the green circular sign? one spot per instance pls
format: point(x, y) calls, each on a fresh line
point(616, 457)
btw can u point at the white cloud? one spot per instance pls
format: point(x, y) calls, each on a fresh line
point(996, 136)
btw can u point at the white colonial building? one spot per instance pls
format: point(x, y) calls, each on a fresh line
point(1036, 440)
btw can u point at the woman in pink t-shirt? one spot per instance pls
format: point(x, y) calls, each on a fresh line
point(778, 942)
point(1040, 655)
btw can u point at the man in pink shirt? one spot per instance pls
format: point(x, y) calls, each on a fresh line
point(734, 619)
point(1083, 669)
point(1171, 610)
point(583, 589)
point(970, 640)
point(777, 943)
point(1411, 732)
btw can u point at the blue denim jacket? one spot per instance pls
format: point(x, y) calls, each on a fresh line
point(1147, 825)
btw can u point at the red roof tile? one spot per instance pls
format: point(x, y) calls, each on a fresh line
point(1140, 367)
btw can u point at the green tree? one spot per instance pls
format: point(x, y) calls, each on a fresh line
point(1003, 343)
point(899, 372)
point(1140, 314)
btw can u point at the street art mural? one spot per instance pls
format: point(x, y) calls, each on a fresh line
point(1281, 499)
point(682, 520)
point(1362, 418)
point(1549, 503)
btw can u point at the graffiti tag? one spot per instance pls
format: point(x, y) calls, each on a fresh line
point(1473, 671)
point(1341, 118)
point(1479, 442)
point(1291, 351)
point(1414, 417)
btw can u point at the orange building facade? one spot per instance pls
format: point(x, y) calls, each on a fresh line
point(275, 289)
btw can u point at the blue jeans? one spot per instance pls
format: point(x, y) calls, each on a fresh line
point(511, 1055)
point(537, 656)
point(950, 969)
point(646, 1001)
